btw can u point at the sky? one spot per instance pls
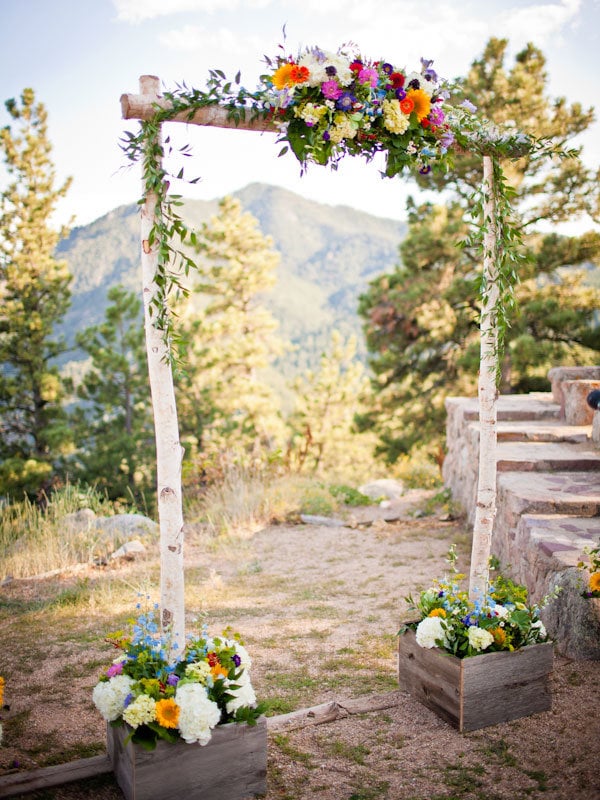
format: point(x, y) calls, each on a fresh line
point(80, 56)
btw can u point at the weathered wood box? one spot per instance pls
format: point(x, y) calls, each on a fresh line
point(472, 693)
point(232, 766)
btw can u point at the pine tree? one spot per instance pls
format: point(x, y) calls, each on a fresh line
point(34, 296)
point(324, 439)
point(421, 321)
point(225, 404)
point(114, 423)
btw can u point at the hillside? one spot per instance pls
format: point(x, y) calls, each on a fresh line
point(328, 255)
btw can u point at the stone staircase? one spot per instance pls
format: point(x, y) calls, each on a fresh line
point(548, 495)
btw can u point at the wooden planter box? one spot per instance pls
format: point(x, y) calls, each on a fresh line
point(472, 693)
point(232, 766)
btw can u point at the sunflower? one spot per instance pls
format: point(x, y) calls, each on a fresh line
point(499, 635)
point(595, 582)
point(422, 102)
point(167, 713)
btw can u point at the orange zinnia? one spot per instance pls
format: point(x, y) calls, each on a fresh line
point(422, 102)
point(218, 671)
point(299, 74)
point(167, 713)
point(406, 105)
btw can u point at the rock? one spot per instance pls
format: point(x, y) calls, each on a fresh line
point(573, 621)
point(385, 487)
point(130, 550)
point(127, 526)
point(329, 522)
point(79, 521)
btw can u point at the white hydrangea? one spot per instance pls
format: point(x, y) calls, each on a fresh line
point(140, 711)
point(244, 696)
point(429, 87)
point(245, 662)
point(393, 118)
point(501, 611)
point(198, 671)
point(428, 631)
point(109, 696)
point(198, 714)
point(539, 629)
point(317, 62)
point(479, 638)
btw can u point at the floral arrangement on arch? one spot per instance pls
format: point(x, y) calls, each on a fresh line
point(184, 700)
point(454, 623)
point(328, 105)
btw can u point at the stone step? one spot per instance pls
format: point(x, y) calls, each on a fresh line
point(534, 406)
point(541, 456)
point(573, 493)
point(560, 537)
point(544, 431)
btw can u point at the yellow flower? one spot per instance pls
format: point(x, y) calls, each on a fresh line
point(282, 77)
point(218, 671)
point(167, 713)
point(499, 635)
point(437, 612)
point(393, 118)
point(422, 102)
point(595, 582)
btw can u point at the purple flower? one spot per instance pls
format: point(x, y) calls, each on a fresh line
point(236, 660)
point(173, 679)
point(368, 75)
point(331, 90)
point(447, 139)
point(428, 74)
point(437, 116)
point(468, 106)
point(128, 700)
point(331, 70)
point(115, 669)
point(346, 101)
point(400, 94)
point(326, 136)
point(387, 68)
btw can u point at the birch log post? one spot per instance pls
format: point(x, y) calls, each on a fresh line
point(485, 510)
point(169, 452)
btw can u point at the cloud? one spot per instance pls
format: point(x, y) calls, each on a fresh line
point(539, 21)
point(140, 10)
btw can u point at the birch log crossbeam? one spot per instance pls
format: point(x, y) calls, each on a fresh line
point(142, 107)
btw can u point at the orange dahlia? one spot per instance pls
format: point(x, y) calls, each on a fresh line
point(288, 75)
point(167, 713)
point(422, 102)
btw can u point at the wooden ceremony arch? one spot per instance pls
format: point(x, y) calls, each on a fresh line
point(144, 107)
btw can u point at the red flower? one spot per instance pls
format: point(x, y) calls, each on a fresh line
point(212, 659)
point(356, 66)
point(406, 105)
point(397, 79)
point(425, 122)
point(299, 74)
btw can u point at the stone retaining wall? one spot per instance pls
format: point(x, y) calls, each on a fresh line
point(548, 500)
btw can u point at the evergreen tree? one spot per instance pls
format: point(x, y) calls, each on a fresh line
point(324, 438)
point(225, 404)
point(114, 423)
point(34, 296)
point(421, 321)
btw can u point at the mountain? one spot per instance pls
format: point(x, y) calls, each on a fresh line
point(328, 256)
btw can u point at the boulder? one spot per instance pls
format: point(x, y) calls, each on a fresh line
point(384, 488)
point(130, 550)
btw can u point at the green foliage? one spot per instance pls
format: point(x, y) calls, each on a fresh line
point(114, 423)
point(422, 320)
point(230, 340)
point(351, 496)
point(34, 295)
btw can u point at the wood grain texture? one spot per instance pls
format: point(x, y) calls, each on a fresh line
point(21, 783)
point(473, 693)
point(232, 766)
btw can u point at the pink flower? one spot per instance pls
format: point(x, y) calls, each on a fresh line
point(114, 669)
point(368, 75)
point(331, 90)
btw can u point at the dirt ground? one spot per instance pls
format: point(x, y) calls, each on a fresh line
point(319, 608)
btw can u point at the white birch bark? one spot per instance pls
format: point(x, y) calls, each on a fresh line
point(485, 510)
point(168, 448)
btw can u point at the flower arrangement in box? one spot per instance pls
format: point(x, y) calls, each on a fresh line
point(454, 623)
point(593, 569)
point(328, 105)
point(180, 700)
